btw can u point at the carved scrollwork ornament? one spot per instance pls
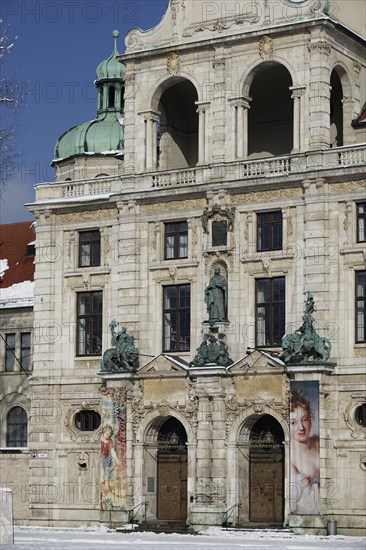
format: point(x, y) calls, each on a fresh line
point(163, 408)
point(75, 433)
point(349, 415)
point(175, 6)
point(363, 461)
point(173, 63)
point(266, 47)
point(217, 213)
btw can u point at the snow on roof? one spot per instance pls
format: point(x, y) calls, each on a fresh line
point(17, 295)
point(4, 265)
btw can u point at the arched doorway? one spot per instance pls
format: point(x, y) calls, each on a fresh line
point(172, 471)
point(260, 452)
point(266, 471)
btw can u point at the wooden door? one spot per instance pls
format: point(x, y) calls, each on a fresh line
point(266, 487)
point(172, 487)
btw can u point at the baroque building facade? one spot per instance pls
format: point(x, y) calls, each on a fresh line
point(17, 329)
point(218, 194)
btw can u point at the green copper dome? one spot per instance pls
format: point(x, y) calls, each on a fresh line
point(111, 68)
point(104, 134)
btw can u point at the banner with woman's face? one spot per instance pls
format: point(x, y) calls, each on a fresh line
point(304, 447)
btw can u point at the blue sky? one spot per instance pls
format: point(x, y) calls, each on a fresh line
point(58, 47)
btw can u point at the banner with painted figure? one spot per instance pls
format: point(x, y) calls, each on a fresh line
point(304, 447)
point(113, 449)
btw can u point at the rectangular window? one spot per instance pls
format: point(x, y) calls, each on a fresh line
point(176, 240)
point(10, 352)
point(25, 350)
point(269, 231)
point(89, 323)
point(361, 222)
point(177, 318)
point(219, 233)
point(89, 248)
point(360, 306)
point(270, 311)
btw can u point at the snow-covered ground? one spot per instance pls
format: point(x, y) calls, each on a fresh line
point(215, 539)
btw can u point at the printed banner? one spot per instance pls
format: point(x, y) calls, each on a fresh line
point(304, 448)
point(113, 449)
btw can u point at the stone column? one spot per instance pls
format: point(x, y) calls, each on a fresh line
point(319, 87)
point(219, 133)
point(204, 438)
point(241, 105)
point(218, 458)
point(349, 135)
point(150, 138)
point(298, 130)
point(132, 134)
point(357, 88)
point(202, 107)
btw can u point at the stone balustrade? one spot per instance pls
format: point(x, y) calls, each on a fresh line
point(275, 167)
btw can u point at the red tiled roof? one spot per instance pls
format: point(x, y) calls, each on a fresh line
point(14, 238)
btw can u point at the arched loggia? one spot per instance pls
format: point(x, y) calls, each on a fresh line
point(178, 127)
point(270, 117)
point(172, 126)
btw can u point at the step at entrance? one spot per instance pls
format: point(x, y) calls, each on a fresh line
point(159, 526)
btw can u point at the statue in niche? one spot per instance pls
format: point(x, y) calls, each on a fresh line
point(216, 297)
point(305, 346)
point(212, 351)
point(124, 356)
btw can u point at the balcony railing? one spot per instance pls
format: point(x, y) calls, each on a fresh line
point(81, 189)
point(330, 160)
point(276, 167)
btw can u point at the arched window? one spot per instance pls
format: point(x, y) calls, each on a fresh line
point(17, 428)
point(101, 98)
point(111, 96)
point(336, 110)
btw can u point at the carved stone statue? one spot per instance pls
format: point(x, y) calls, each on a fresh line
point(212, 351)
point(124, 357)
point(216, 297)
point(305, 345)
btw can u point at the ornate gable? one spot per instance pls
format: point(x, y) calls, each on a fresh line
point(187, 20)
point(258, 361)
point(164, 366)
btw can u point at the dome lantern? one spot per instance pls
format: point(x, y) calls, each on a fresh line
point(104, 134)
